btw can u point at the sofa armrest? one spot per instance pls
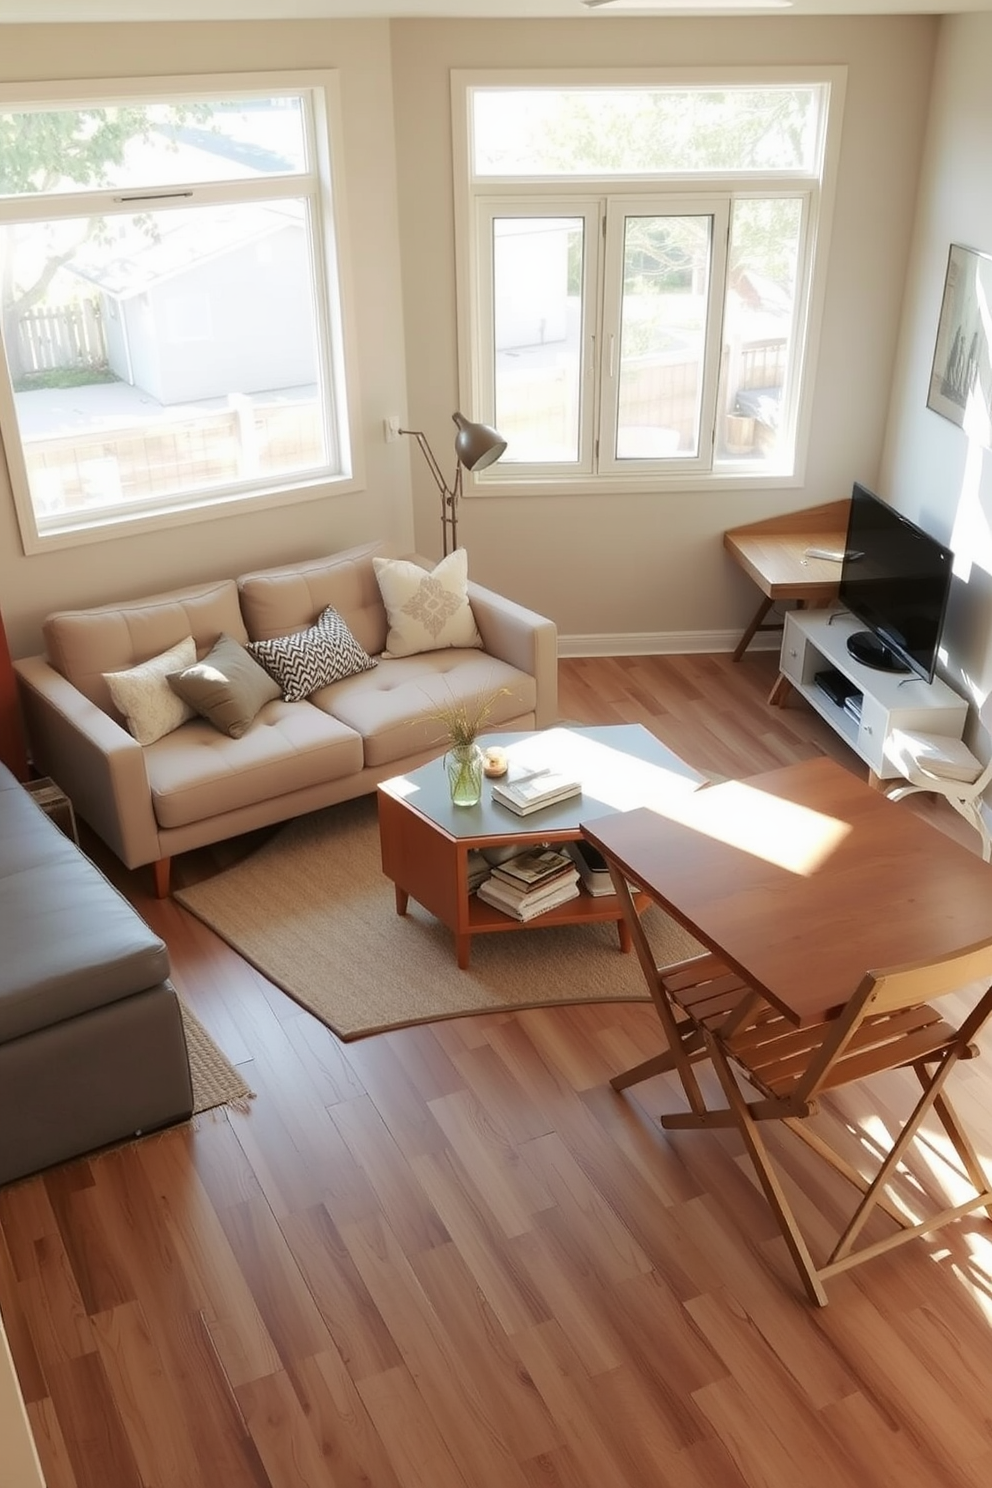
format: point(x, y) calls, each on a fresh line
point(97, 763)
point(525, 640)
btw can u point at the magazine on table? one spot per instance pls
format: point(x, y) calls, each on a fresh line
point(535, 866)
point(527, 909)
point(509, 893)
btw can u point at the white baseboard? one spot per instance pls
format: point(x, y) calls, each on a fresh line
point(662, 643)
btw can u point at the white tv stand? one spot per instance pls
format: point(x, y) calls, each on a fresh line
point(815, 641)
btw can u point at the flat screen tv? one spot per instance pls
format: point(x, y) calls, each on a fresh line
point(895, 579)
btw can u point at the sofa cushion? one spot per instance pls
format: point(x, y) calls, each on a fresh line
point(392, 707)
point(70, 941)
point(145, 700)
point(197, 773)
point(276, 601)
point(325, 652)
point(227, 687)
point(427, 610)
point(84, 644)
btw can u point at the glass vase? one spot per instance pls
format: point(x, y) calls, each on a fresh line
point(465, 764)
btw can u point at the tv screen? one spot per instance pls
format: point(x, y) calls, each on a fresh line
point(895, 579)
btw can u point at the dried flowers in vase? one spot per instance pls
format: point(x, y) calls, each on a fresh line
point(464, 719)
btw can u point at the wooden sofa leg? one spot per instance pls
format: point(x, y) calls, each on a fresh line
point(161, 872)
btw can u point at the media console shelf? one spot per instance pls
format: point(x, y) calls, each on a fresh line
point(815, 641)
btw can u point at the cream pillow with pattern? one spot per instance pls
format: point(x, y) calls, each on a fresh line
point(142, 694)
point(427, 610)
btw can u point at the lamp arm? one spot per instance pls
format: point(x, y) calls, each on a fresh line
point(428, 455)
point(449, 494)
point(450, 518)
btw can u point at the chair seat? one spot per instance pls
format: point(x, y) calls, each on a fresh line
point(774, 1055)
point(937, 756)
point(709, 1012)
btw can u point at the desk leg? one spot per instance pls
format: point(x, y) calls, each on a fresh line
point(753, 628)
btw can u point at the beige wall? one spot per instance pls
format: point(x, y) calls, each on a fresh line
point(644, 569)
point(632, 570)
point(360, 51)
point(931, 470)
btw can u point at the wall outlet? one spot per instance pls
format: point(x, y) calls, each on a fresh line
point(391, 428)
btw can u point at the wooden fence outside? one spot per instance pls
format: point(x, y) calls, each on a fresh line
point(540, 406)
point(54, 337)
point(74, 473)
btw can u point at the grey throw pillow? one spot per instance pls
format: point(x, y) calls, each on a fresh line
point(228, 687)
point(313, 658)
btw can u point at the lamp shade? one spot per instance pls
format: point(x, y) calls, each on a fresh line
point(477, 445)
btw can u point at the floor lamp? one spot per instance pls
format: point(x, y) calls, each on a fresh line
point(476, 446)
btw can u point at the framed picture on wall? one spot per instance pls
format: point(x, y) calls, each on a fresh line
point(961, 377)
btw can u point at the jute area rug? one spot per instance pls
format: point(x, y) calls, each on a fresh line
point(215, 1080)
point(313, 912)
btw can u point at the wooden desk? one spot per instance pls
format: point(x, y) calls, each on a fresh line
point(18, 1453)
point(803, 879)
point(832, 918)
point(773, 554)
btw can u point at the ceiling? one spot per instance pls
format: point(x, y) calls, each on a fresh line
point(60, 11)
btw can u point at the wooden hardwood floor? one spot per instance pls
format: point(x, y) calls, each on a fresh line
point(451, 1257)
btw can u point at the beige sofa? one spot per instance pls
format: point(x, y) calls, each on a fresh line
point(197, 785)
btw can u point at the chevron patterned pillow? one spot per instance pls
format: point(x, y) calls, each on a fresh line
point(312, 658)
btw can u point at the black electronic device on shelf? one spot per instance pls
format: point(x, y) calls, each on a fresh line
point(837, 687)
point(895, 579)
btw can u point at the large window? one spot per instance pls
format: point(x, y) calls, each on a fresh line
point(170, 305)
point(640, 269)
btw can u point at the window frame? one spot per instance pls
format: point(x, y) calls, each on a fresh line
point(475, 196)
point(565, 206)
point(618, 209)
point(321, 182)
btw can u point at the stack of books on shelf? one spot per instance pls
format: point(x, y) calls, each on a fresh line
point(531, 883)
point(538, 788)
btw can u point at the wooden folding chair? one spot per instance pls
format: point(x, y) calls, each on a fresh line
point(709, 1012)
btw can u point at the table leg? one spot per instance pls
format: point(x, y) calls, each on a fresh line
point(624, 935)
point(402, 899)
point(753, 628)
point(463, 947)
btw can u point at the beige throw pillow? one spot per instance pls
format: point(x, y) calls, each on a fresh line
point(227, 687)
point(426, 610)
point(142, 694)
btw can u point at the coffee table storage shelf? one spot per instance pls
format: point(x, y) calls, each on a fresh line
point(425, 841)
point(816, 641)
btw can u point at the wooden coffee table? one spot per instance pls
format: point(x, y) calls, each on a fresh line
point(425, 840)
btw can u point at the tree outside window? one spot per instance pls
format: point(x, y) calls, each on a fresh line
point(169, 325)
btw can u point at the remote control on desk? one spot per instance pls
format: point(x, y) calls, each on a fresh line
point(836, 555)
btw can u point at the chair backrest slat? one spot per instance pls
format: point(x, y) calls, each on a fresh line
point(904, 986)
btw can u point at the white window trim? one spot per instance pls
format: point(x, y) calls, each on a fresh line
point(502, 480)
point(330, 240)
point(487, 210)
point(617, 211)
